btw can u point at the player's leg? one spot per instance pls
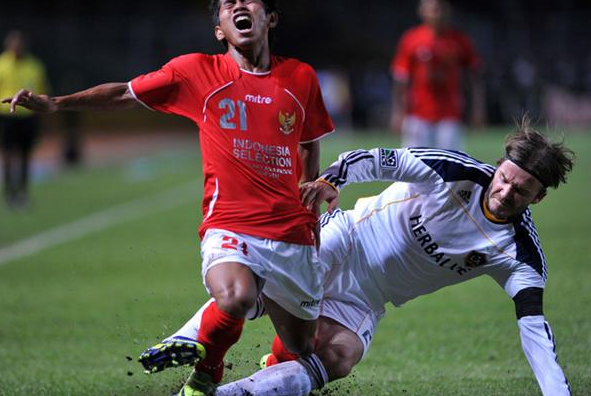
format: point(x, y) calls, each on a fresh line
point(8, 158)
point(234, 287)
point(178, 349)
point(27, 139)
point(6, 171)
point(297, 334)
point(228, 259)
point(416, 132)
point(339, 349)
point(449, 135)
point(181, 347)
point(292, 293)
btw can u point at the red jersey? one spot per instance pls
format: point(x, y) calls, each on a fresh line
point(250, 127)
point(432, 64)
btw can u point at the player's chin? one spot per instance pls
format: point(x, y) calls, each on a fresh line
point(243, 41)
point(497, 210)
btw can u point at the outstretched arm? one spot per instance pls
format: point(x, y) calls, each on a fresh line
point(537, 341)
point(110, 96)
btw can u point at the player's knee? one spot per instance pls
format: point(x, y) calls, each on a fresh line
point(338, 361)
point(300, 346)
point(235, 302)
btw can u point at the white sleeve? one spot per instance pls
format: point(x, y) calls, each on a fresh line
point(378, 164)
point(539, 347)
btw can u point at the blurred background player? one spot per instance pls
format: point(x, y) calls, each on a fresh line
point(18, 131)
point(260, 119)
point(427, 68)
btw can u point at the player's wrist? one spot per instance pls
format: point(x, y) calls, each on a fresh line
point(55, 103)
point(324, 181)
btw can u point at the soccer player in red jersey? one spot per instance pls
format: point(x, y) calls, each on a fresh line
point(427, 101)
point(260, 118)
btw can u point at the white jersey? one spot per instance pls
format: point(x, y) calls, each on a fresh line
point(429, 230)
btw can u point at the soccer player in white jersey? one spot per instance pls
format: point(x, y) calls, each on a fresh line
point(447, 219)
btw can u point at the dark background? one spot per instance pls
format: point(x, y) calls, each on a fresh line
point(527, 46)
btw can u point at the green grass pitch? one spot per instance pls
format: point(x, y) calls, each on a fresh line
point(75, 316)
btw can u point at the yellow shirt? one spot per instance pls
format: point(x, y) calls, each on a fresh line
point(27, 73)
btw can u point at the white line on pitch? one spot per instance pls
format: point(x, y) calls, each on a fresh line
point(100, 221)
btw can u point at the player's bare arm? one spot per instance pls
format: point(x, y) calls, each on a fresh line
point(310, 155)
point(110, 96)
point(314, 193)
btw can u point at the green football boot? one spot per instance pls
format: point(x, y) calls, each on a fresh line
point(198, 384)
point(173, 352)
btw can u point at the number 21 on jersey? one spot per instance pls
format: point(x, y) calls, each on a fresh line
point(229, 119)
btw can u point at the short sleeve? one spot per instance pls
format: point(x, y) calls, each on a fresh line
point(318, 122)
point(166, 90)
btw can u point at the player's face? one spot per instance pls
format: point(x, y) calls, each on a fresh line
point(433, 12)
point(244, 23)
point(512, 190)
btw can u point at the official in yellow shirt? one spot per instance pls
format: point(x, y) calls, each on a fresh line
point(18, 131)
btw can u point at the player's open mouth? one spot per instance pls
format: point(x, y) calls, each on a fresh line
point(243, 22)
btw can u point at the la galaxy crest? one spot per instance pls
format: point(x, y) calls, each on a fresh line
point(287, 122)
point(475, 259)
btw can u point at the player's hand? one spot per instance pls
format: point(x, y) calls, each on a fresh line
point(313, 194)
point(31, 101)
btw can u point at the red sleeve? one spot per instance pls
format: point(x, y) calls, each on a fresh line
point(400, 65)
point(168, 90)
point(318, 122)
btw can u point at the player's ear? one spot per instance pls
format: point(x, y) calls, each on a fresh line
point(219, 34)
point(273, 20)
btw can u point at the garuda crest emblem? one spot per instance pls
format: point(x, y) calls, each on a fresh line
point(287, 122)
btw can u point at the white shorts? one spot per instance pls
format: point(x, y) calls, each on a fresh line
point(292, 273)
point(444, 134)
point(350, 296)
point(360, 321)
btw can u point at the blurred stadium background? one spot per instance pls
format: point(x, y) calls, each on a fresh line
point(74, 311)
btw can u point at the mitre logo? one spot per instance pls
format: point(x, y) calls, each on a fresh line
point(475, 259)
point(287, 122)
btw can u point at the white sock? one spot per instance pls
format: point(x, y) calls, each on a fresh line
point(283, 379)
point(191, 328)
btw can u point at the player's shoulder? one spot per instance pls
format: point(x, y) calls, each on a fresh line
point(453, 165)
point(204, 64)
point(292, 68)
point(194, 59)
point(416, 33)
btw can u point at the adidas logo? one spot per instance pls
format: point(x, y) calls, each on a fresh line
point(465, 195)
